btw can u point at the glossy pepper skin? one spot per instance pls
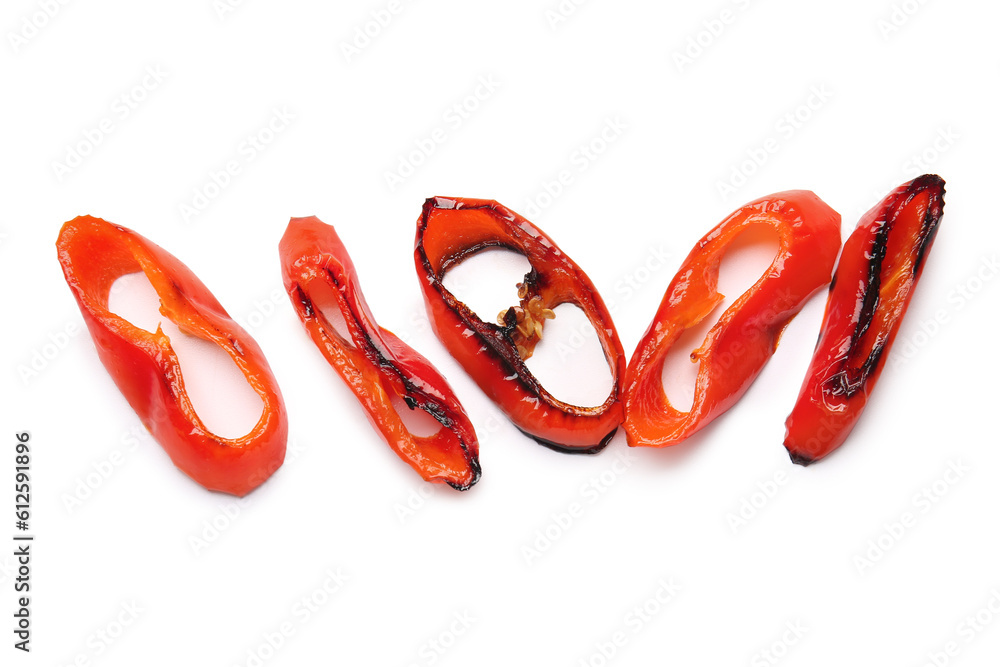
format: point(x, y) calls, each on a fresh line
point(450, 230)
point(879, 267)
point(93, 254)
point(746, 335)
point(375, 364)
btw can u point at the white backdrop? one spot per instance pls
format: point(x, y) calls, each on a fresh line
point(625, 130)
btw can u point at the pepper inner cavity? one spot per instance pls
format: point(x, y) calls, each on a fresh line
point(419, 423)
point(743, 261)
point(218, 390)
point(482, 281)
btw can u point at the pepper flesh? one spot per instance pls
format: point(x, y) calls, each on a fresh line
point(746, 335)
point(449, 231)
point(879, 267)
point(374, 363)
point(93, 254)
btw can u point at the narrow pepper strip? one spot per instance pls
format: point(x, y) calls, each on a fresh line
point(375, 364)
point(746, 335)
point(449, 231)
point(879, 267)
point(93, 254)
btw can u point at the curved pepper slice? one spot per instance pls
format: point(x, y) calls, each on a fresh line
point(374, 363)
point(451, 230)
point(746, 335)
point(880, 265)
point(93, 254)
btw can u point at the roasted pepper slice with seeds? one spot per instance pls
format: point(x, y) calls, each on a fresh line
point(94, 254)
point(879, 268)
point(319, 276)
point(449, 231)
point(746, 335)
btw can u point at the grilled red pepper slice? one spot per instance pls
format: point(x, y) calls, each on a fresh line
point(879, 267)
point(93, 254)
point(451, 230)
point(374, 363)
point(746, 335)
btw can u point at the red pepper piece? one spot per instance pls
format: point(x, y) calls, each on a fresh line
point(879, 267)
point(374, 363)
point(746, 335)
point(451, 230)
point(93, 254)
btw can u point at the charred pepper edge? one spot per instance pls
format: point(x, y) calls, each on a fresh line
point(563, 449)
point(840, 383)
point(818, 380)
point(801, 459)
point(414, 398)
point(497, 338)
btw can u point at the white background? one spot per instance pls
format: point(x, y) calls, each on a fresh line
point(924, 90)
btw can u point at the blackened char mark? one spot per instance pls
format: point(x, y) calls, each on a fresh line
point(477, 471)
point(431, 407)
point(801, 459)
point(849, 380)
point(593, 449)
point(304, 301)
point(935, 210)
point(873, 281)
